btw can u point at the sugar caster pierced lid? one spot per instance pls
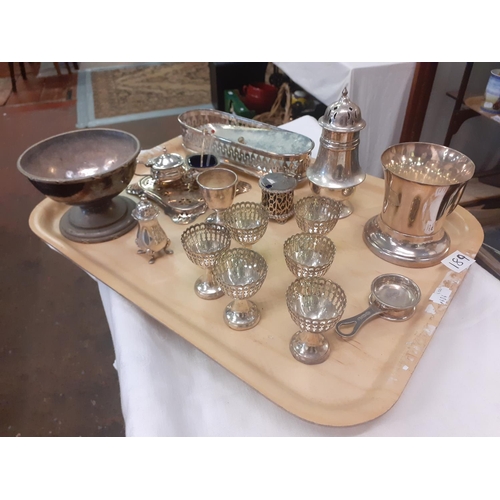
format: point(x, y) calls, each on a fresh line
point(337, 165)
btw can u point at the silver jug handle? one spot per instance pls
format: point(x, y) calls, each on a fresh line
point(356, 322)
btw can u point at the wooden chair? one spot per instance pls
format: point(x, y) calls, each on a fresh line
point(13, 74)
point(23, 72)
point(68, 67)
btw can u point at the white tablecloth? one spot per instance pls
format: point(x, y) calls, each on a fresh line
point(169, 388)
point(381, 91)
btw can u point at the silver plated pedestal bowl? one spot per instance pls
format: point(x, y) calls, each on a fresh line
point(88, 169)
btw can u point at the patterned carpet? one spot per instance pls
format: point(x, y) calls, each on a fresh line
point(148, 88)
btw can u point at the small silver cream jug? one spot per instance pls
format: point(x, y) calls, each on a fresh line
point(336, 171)
point(151, 238)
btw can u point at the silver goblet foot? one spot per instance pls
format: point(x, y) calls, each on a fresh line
point(215, 218)
point(345, 209)
point(207, 288)
point(241, 314)
point(342, 195)
point(309, 348)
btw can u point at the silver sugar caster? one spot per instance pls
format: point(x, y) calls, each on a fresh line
point(336, 171)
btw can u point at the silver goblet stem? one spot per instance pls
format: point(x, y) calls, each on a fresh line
point(216, 217)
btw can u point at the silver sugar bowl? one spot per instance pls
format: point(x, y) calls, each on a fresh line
point(336, 171)
point(166, 168)
point(151, 238)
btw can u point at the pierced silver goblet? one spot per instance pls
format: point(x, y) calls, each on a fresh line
point(317, 214)
point(315, 305)
point(241, 272)
point(247, 222)
point(203, 243)
point(309, 255)
point(218, 187)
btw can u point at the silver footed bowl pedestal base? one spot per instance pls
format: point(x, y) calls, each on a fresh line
point(241, 314)
point(309, 348)
point(403, 249)
point(99, 222)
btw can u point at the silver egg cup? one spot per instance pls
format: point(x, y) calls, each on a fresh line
point(247, 222)
point(309, 255)
point(203, 243)
point(241, 272)
point(317, 214)
point(315, 305)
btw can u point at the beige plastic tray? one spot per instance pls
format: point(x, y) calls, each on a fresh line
point(361, 380)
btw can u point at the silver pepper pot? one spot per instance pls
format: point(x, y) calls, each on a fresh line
point(151, 238)
point(336, 171)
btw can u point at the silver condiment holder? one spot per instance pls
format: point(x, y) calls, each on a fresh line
point(151, 238)
point(336, 171)
point(166, 168)
point(277, 195)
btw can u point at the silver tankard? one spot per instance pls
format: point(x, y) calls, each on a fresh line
point(423, 185)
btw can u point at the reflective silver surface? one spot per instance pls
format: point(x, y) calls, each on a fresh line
point(393, 297)
point(277, 195)
point(166, 168)
point(182, 201)
point(177, 216)
point(218, 188)
point(309, 255)
point(423, 185)
point(247, 222)
point(248, 145)
point(268, 140)
point(151, 238)
point(241, 273)
point(203, 243)
point(340, 195)
point(337, 164)
point(317, 214)
point(315, 305)
point(87, 168)
point(81, 156)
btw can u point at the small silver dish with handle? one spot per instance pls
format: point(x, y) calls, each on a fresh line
point(393, 297)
